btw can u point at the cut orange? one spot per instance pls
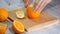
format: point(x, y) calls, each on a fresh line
point(20, 14)
point(17, 27)
point(3, 28)
point(31, 13)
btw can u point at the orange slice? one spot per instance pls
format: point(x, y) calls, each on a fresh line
point(31, 13)
point(3, 28)
point(17, 27)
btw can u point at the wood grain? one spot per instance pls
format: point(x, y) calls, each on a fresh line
point(45, 20)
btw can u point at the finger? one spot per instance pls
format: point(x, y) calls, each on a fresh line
point(48, 1)
point(45, 2)
point(41, 5)
point(27, 2)
point(30, 1)
point(36, 5)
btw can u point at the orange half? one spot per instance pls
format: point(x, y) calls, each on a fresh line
point(3, 28)
point(17, 27)
point(31, 13)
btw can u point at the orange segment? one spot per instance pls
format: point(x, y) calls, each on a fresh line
point(31, 13)
point(17, 27)
point(3, 28)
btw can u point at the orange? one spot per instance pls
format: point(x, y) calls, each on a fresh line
point(17, 27)
point(3, 14)
point(31, 13)
point(3, 28)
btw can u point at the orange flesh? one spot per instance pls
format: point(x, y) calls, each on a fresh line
point(31, 13)
point(3, 28)
point(17, 27)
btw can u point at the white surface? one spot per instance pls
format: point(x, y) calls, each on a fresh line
point(55, 29)
point(55, 11)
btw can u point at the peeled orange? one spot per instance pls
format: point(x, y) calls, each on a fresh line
point(17, 27)
point(3, 14)
point(3, 28)
point(31, 13)
point(20, 14)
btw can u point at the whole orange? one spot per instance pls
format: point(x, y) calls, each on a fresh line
point(3, 14)
point(31, 13)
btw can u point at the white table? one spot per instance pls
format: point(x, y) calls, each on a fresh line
point(55, 11)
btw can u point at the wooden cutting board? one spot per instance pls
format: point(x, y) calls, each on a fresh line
point(45, 20)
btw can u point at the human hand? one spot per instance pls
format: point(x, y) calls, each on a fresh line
point(27, 2)
point(40, 4)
